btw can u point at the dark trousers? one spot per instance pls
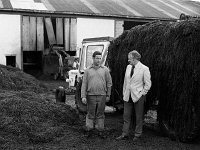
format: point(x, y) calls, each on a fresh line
point(95, 111)
point(128, 112)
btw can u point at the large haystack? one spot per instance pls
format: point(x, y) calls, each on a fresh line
point(172, 52)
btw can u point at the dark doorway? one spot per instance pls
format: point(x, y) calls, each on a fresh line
point(129, 24)
point(32, 62)
point(11, 61)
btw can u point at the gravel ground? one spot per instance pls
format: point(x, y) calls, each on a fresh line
point(76, 139)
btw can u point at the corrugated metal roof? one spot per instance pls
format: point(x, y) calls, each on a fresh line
point(6, 4)
point(70, 6)
point(129, 8)
point(27, 4)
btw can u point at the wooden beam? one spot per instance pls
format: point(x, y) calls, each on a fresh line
point(40, 34)
point(25, 33)
point(73, 34)
point(67, 34)
point(59, 30)
point(50, 31)
point(21, 27)
point(32, 35)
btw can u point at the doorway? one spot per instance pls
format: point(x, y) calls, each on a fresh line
point(32, 62)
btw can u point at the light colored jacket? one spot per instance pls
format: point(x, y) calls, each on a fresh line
point(137, 85)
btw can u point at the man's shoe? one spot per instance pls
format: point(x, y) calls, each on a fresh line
point(121, 137)
point(136, 139)
point(86, 129)
point(102, 135)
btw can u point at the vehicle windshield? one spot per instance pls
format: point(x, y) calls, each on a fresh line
point(90, 50)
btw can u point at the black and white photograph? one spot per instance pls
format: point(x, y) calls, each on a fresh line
point(99, 74)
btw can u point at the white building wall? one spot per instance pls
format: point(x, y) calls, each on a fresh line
point(90, 28)
point(119, 29)
point(10, 38)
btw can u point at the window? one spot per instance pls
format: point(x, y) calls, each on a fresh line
point(11, 61)
point(90, 50)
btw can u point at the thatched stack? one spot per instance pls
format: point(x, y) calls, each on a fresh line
point(172, 52)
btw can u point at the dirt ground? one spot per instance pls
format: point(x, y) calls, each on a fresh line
point(75, 138)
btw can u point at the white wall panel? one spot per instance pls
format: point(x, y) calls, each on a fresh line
point(10, 37)
point(89, 28)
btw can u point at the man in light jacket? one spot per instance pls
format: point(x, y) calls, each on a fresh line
point(137, 82)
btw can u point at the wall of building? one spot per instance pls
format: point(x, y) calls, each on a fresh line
point(12, 31)
point(90, 28)
point(10, 38)
point(119, 29)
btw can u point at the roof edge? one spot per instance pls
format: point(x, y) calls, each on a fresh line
point(75, 14)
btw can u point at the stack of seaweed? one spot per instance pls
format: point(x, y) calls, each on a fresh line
point(31, 117)
point(15, 79)
point(26, 112)
point(172, 52)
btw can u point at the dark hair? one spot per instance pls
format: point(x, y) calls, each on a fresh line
point(96, 53)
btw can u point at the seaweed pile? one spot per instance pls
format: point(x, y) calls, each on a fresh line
point(27, 114)
point(33, 117)
point(15, 79)
point(172, 52)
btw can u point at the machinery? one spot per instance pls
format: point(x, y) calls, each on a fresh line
point(57, 62)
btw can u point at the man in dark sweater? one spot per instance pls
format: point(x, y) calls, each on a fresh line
point(95, 92)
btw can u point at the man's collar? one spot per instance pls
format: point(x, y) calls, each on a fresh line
point(92, 66)
point(138, 64)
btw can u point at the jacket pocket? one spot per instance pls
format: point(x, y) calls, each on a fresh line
point(139, 89)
